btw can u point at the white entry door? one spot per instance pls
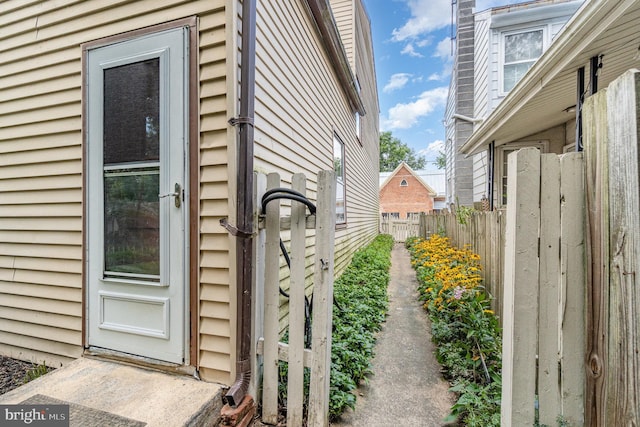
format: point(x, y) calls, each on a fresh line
point(136, 127)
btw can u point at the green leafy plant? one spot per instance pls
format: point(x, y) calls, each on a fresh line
point(35, 372)
point(360, 307)
point(463, 213)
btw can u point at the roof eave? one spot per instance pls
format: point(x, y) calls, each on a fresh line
point(588, 22)
point(326, 24)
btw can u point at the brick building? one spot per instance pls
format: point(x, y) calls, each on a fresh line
point(404, 193)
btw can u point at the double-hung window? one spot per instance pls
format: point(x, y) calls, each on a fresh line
point(520, 51)
point(338, 166)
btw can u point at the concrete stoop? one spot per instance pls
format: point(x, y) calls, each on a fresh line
point(105, 393)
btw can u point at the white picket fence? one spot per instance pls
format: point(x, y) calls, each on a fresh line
point(544, 290)
point(400, 229)
point(269, 350)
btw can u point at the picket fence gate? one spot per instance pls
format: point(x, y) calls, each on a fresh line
point(544, 292)
point(267, 301)
point(400, 229)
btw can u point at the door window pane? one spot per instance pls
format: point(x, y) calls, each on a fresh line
point(131, 112)
point(132, 222)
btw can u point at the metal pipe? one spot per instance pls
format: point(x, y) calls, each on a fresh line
point(244, 246)
point(579, 102)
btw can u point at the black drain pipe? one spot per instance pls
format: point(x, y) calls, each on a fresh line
point(244, 219)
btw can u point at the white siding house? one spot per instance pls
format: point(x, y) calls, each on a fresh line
point(506, 43)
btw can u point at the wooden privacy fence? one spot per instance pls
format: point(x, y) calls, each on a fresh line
point(484, 232)
point(544, 293)
point(611, 120)
point(269, 349)
point(400, 229)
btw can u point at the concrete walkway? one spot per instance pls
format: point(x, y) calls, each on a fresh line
point(406, 388)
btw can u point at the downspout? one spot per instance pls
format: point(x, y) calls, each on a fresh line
point(244, 218)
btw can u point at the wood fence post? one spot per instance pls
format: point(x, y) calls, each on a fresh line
point(295, 371)
point(549, 321)
point(572, 307)
point(272, 306)
point(323, 300)
point(521, 289)
point(623, 358)
point(260, 186)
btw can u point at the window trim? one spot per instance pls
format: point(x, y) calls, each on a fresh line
point(338, 140)
point(501, 62)
point(404, 183)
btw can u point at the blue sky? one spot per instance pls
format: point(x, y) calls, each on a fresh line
point(412, 49)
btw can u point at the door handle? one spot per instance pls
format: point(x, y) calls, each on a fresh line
point(177, 194)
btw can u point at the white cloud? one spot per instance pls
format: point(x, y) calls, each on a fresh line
point(397, 81)
point(404, 116)
point(443, 49)
point(409, 50)
point(436, 146)
point(426, 16)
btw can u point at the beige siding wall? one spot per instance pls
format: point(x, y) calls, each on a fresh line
point(41, 171)
point(299, 106)
point(343, 13)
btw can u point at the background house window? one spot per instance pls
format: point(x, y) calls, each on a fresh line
point(521, 50)
point(338, 166)
point(502, 154)
point(404, 183)
point(357, 114)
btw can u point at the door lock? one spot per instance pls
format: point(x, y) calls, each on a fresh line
point(177, 194)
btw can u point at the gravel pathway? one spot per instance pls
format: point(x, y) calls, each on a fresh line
point(12, 373)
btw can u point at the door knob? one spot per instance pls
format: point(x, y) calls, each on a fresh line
point(177, 194)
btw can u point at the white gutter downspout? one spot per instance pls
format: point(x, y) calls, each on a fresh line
point(473, 120)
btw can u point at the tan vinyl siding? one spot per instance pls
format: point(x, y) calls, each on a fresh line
point(41, 171)
point(343, 13)
point(299, 106)
point(215, 341)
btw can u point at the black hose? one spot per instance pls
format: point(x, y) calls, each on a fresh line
point(286, 193)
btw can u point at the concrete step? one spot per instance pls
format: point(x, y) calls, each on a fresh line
point(105, 393)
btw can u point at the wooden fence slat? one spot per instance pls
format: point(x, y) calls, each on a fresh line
point(595, 139)
point(260, 184)
point(572, 308)
point(521, 289)
point(549, 325)
point(295, 394)
point(322, 301)
point(272, 307)
point(623, 354)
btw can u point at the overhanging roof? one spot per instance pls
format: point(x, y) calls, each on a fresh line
point(538, 102)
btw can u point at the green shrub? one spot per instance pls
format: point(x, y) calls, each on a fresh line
point(361, 304)
point(360, 307)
